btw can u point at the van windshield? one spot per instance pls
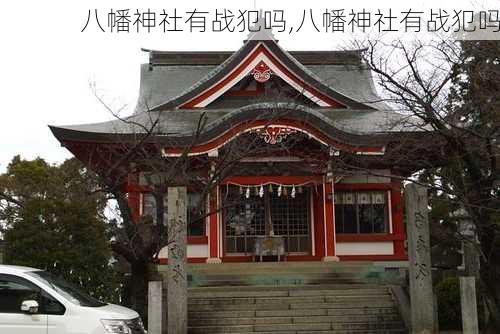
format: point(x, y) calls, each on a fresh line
point(66, 289)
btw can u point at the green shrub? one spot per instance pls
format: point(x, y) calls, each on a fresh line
point(448, 297)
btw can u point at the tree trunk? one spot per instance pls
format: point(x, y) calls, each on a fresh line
point(138, 288)
point(490, 275)
point(492, 296)
point(490, 270)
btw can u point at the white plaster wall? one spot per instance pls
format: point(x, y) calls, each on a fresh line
point(192, 251)
point(365, 248)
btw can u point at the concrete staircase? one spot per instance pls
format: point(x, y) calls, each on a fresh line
point(339, 308)
point(292, 297)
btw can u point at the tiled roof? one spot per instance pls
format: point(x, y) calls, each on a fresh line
point(181, 123)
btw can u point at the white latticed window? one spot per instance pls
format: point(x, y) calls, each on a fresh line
point(269, 214)
point(361, 212)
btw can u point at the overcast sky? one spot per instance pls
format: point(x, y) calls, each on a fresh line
point(47, 63)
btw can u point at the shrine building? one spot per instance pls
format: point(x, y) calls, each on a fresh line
point(322, 181)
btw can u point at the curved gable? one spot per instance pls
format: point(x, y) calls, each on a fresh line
point(256, 54)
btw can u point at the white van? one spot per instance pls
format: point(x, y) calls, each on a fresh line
point(33, 301)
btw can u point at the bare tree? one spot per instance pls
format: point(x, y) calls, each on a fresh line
point(449, 91)
point(141, 157)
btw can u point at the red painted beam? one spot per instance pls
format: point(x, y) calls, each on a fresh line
point(258, 180)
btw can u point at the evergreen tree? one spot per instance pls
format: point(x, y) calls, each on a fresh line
point(54, 219)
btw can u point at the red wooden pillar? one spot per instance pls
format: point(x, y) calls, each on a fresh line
point(319, 222)
point(213, 227)
point(329, 219)
point(134, 196)
point(397, 219)
point(134, 202)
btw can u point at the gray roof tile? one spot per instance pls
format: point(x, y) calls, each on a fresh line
point(183, 122)
point(160, 84)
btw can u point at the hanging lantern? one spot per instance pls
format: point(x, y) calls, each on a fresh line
point(261, 191)
point(293, 192)
point(279, 190)
point(300, 190)
point(256, 191)
point(270, 188)
point(285, 191)
point(247, 194)
point(241, 190)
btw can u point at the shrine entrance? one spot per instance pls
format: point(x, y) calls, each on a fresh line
point(270, 210)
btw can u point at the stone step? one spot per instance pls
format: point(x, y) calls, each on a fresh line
point(373, 325)
point(283, 306)
point(238, 321)
point(288, 293)
point(305, 274)
point(382, 331)
point(252, 270)
point(333, 312)
point(327, 326)
point(294, 313)
point(277, 292)
point(238, 294)
point(349, 319)
point(344, 305)
point(350, 292)
point(372, 331)
point(301, 327)
point(315, 287)
point(283, 280)
point(257, 328)
point(286, 299)
point(286, 265)
point(341, 306)
point(221, 329)
point(388, 318)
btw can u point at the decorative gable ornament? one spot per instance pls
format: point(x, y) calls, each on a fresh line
point(261, 72)
point(274, 134)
